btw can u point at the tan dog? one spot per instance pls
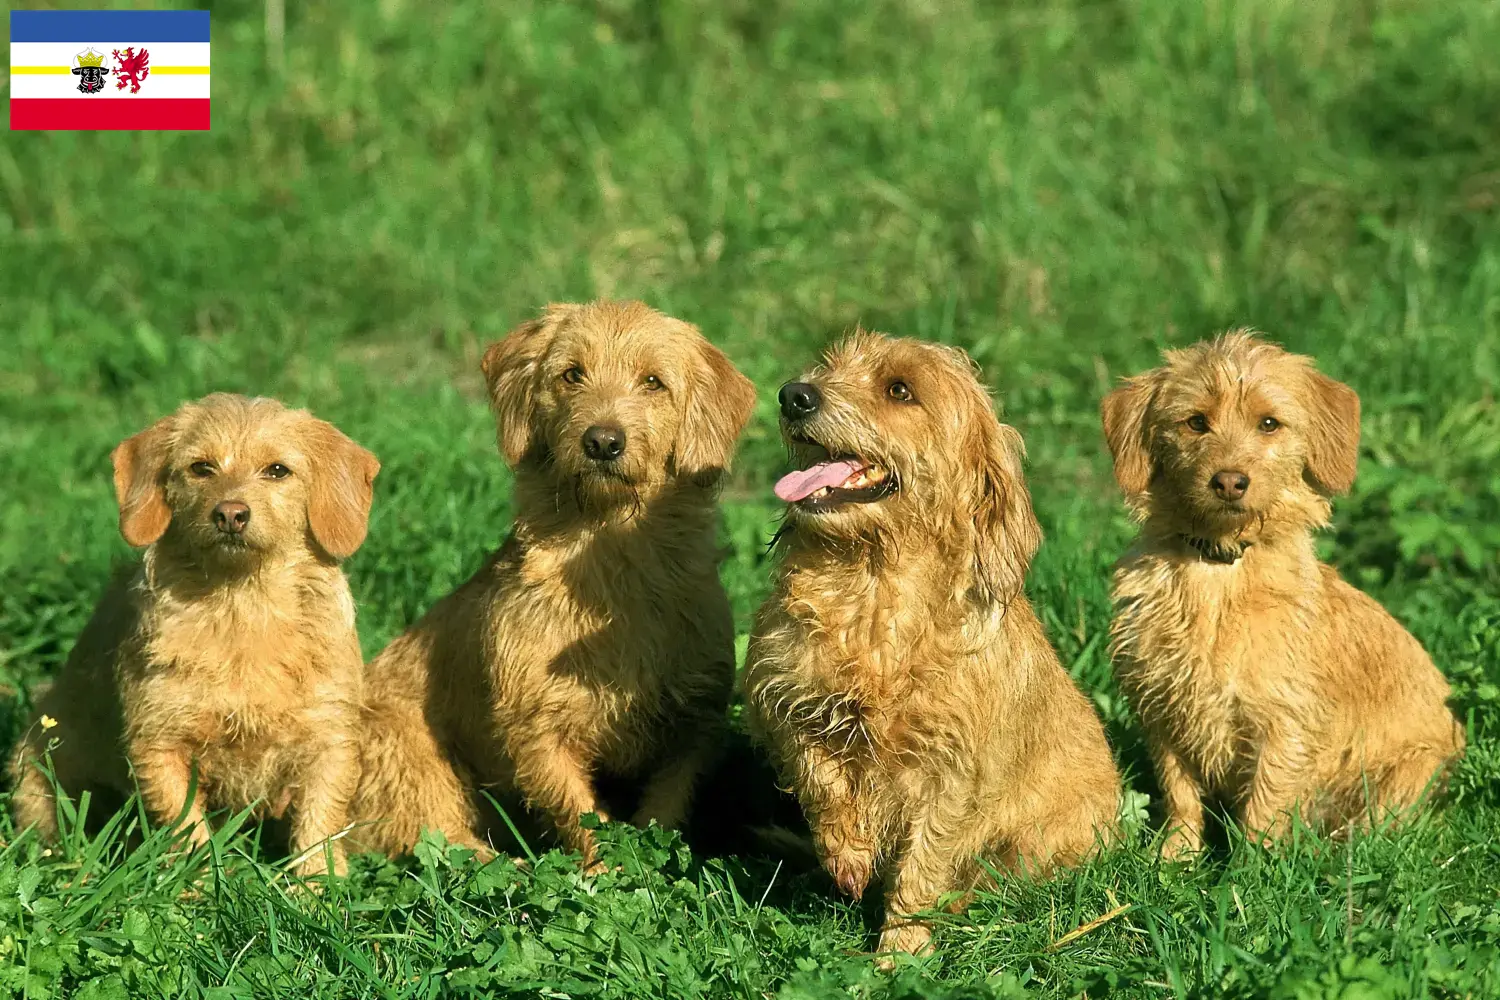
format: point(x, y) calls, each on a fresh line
point(898, 675)
point(1261, 678)
point(231, 648)
point(598, 640)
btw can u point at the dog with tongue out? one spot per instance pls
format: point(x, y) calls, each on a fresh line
point(897, 676)
point(820, 478)
point(827, 482)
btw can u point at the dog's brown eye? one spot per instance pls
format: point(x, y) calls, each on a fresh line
point(653, 383)
point(276, 471)
point(899, 391)
point(1199, 423)
point(573, 375)
point(202, 470)
point(1269, 424)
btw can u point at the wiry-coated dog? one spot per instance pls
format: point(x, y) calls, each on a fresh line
point(1262, 679)
point(231, 649)
point(898, 675)
point(598, 640)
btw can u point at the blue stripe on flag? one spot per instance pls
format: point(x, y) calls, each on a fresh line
point(109, 26)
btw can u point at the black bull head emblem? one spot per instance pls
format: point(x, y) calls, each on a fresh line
point(92, 78)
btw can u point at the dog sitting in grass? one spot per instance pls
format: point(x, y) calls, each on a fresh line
point(227, 660)
point(597, 643)
point(897, 675)
point(1262, 679)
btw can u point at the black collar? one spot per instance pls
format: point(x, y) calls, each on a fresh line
point(1227, 553)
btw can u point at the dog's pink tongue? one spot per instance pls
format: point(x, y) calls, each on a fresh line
point(796, 486)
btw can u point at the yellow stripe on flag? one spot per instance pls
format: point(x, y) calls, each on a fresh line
point(163, 70)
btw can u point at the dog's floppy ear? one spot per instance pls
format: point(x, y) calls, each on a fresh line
point(343, 487)
point(1007, 533)
point(718, 406)
point(1123, 413)
point(509, 367)
point(140, 463)
point(1332, 434)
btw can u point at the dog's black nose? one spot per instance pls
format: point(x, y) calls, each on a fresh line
point(231, 516)
point(799, 399)
point(604, 443)
point(1229, 484)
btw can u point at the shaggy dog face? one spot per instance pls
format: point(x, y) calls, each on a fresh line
point(1233, 438)
point(896, 439)
point(615, 402)
point(234, 480)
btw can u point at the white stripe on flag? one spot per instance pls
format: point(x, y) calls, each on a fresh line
point(39, 85)
point(62, 53)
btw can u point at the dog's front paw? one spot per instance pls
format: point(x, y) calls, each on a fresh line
point(587, 847)
point(1182, 844)
point(315, 865)
point(910, 937)
point(197, 834)
point(851, 872)
point(1266, 831)
point(483, 852)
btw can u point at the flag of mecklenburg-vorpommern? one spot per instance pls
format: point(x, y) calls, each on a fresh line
point(108, 69)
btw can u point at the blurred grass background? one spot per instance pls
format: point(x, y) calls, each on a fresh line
point(1061, 187)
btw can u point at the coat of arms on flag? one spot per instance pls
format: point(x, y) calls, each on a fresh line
point(109, 69)
point(90, 66)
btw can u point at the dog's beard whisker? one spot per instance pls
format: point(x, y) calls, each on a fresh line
point(781, 530)
point(635, 501)
point(587, 502)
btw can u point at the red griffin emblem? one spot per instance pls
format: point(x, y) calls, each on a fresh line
point(131, 68)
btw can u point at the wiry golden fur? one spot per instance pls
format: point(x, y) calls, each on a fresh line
point(898, 675)
point(1262, 679)
point(234, 653)
point(598, 640)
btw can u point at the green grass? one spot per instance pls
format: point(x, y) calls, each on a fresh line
point(1060, 186)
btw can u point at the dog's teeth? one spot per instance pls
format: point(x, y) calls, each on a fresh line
point(865, 478)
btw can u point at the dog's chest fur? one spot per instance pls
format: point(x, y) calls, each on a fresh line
point(242, 681)
point(1211, 655)
point(848, 661)
point(614, 651)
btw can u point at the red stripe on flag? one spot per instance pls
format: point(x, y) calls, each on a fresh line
point(71, 113)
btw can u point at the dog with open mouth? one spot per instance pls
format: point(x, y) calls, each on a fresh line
point(898, 677)
point(596, 646)
point(1263, 680)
